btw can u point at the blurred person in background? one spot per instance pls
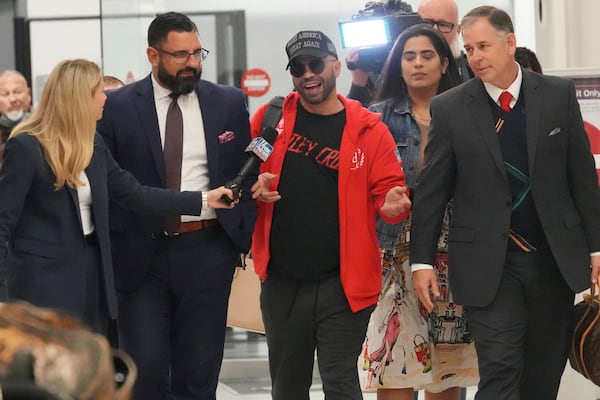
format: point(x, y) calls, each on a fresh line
point(528, 60)
point(112, 82)
point(15, 103)
point(442, 15)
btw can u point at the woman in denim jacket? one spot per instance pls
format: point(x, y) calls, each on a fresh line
point(406, 348)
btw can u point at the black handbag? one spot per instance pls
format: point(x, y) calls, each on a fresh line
point(584, 356)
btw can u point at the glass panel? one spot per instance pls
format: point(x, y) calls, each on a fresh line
point(124, 41)
point(45, 35)
point(124, 47)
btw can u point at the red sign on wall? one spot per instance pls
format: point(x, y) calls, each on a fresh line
point(594, 135)
point(255, 82)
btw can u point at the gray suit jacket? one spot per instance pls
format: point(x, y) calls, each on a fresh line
point(463, 160)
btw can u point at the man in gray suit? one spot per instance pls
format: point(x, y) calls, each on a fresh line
point(510, 148)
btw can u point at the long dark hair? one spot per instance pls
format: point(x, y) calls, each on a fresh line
point(390, 83)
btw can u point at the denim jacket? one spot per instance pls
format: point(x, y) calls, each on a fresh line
point(407, 134)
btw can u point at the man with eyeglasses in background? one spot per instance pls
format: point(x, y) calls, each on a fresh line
point(333, 167)
point(443, 16)
point(174, 275)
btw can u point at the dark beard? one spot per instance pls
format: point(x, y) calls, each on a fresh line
point(177, 84)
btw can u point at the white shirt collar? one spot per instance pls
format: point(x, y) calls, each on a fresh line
point(159, 91)
point(514, 89)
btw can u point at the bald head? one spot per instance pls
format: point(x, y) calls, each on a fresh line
point(442, 11)
point(14, 74)
point(15, 95)
point(446, 10)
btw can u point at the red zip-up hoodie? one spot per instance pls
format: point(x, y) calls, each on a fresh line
point(368, 169)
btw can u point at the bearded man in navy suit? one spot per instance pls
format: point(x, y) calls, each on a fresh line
point(174, 286)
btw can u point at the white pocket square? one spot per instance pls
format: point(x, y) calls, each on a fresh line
point(554, 131)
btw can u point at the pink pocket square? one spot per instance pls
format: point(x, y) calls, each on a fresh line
point(226, 136)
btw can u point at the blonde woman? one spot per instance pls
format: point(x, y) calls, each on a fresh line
point(55, 186)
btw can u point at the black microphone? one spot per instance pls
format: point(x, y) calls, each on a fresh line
point(260, 149)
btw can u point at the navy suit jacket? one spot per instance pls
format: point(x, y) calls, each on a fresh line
point(463, 160)
point(130, 129)
point(43, 228)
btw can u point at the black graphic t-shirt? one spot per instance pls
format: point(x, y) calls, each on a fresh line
point(305, 238)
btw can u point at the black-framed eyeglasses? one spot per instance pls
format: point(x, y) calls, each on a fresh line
point(181, 57)
point(316, 65)
point(442, 26)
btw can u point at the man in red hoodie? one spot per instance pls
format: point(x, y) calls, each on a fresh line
point(333, 167)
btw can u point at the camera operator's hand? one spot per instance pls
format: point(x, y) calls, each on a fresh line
point(362, 85)
point(359, 77)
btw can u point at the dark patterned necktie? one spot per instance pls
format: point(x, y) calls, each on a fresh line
point(172, 154)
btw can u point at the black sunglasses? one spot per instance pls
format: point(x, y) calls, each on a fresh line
point(316, 65)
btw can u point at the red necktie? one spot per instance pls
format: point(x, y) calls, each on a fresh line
point(505, 98)
point(172, 153)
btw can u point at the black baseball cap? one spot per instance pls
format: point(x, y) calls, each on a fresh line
point(310, 43)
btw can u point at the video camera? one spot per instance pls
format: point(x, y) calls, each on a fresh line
point(373, 31)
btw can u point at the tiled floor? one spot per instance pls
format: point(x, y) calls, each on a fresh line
point(245, 373)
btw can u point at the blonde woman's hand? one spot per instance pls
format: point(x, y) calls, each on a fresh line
point(214, 198)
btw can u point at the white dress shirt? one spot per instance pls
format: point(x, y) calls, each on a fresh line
point(84, 196)
point(194, 165)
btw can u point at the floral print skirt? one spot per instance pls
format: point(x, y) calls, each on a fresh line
point(407, 347)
